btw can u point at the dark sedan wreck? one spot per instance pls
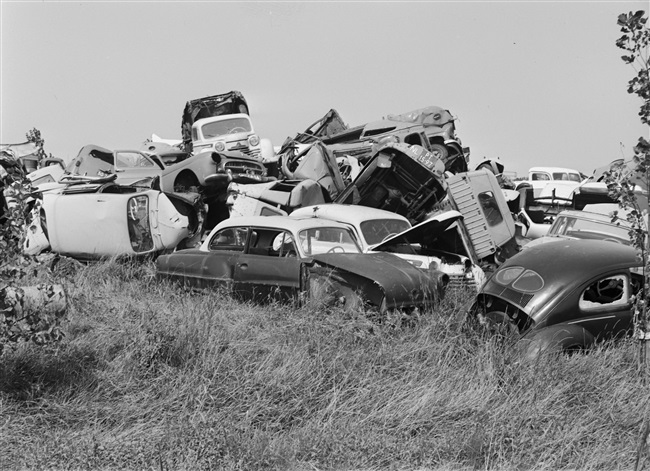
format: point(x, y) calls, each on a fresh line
point(563, 295)
point(290, 259)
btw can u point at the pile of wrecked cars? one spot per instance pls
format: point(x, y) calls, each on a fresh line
point(383, 216)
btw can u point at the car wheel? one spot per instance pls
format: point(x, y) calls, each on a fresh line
point(440, 151)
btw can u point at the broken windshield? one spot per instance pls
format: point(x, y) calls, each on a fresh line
point(226, 126)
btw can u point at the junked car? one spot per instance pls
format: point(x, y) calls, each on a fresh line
point(435, 244)
point(132, 166)
point(100, 218)
point(440, 129)
point(563, 295)
point(401, 178)
point(265, 258)
point(586, 224)
point(232, 102)
point(311, 175)
point(232, 132)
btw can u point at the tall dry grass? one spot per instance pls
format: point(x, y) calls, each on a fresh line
point(151, 376)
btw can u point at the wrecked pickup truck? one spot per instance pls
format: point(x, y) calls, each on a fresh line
point(216, 105)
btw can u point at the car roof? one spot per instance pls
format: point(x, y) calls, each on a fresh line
point(598, 217)
point(278, 222)
point(574, 259)
point(349, 214)
point(553, 169)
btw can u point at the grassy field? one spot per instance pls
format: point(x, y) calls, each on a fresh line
point(150, 376)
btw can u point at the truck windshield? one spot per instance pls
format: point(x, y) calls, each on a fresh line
point(226, 126)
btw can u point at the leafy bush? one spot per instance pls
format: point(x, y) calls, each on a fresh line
point(26, 313)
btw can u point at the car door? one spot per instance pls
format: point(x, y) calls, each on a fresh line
point(269, 270)
point(224, 250)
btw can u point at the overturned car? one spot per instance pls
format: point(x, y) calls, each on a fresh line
point(99, 218)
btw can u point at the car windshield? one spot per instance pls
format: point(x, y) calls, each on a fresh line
point(377, 230)
point(588, 229)
point(327, 240)
point(226, 126)
point(95, 163)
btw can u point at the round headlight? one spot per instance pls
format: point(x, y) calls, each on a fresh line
point(219, 146)
point(254, 140)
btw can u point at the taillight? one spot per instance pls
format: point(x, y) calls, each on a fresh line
point(137, 217)
point(254, 140)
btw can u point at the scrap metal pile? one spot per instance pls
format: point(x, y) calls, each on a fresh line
point(397, 189)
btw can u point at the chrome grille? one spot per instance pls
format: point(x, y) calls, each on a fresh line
point(459, 282)
point(240, 166)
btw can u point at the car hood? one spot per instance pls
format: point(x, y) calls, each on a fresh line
point(423, 233)
point(402, 283)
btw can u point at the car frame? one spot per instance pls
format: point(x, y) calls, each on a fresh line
point(256, 258)
point(563, 295)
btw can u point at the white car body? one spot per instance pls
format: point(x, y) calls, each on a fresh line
point(549, 181)
point(95, 224)
point(383, 231)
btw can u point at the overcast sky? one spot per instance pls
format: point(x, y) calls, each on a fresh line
point(532, 83)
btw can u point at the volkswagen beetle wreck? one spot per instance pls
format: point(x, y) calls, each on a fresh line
point(278, 258)
point(563, 295)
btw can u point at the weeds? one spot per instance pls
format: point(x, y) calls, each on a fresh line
point(152, 376)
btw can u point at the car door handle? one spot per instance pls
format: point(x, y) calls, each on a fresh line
point(243, 266)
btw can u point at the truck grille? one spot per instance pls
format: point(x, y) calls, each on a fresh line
point(244, 148)
point(460, 283)
point(240, 166)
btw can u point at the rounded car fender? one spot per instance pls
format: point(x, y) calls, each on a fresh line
point(555, 339)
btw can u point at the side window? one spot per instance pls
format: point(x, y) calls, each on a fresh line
point(284, 246)
point(272, 243)
point(540, 176)
point(232, 239)
point(490, 208)
point(610, 291)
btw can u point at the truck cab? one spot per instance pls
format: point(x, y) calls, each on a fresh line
point(232, 132)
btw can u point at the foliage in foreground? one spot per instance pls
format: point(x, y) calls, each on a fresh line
point(17, 324)
point(152, 376)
